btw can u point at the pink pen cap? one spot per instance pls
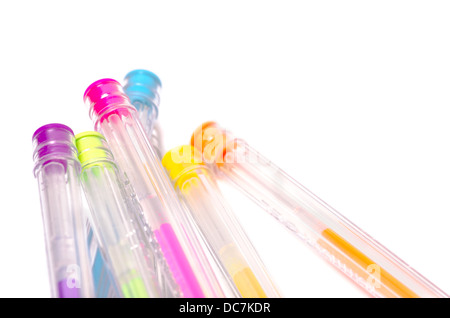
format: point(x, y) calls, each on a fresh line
point(105, 97)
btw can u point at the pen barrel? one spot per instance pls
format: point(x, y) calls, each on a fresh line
point(140, 165)
point(115, 223)
point(147, 117)
point(57, 172)
point(118, 121)
point(225, 235)
point(369, 264)
point(156, 140)
point(217, 223)
point(138, 269)
point(143, 89)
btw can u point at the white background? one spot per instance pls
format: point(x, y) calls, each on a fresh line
point(351, 98)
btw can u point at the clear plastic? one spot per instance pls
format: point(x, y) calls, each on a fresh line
point(137, 271)
point(118, 121)
point(147, 117)
point(222, 231)
point(156, 139)
point(57, 172)
point(104, 284)
point(369, 264)
point(152, 129)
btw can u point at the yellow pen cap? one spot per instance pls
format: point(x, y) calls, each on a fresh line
point(181, 163)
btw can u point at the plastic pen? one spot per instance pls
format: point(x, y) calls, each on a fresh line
point(115, 117)
point(135, 266)
point(143, 87)
point(57, 170)
point(369, 264)
point(196, 185)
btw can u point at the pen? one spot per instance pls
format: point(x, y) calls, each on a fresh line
point(57, 169)
point(369, 264)
point(143, 89)
point(115, 117)
point(134, 266)
point(196, 185)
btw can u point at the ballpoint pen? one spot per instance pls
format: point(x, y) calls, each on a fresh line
point(369, 264)
point(115, 117)
point(57, 170)
point(195, 184)
point(142, 88)
point(135, 266)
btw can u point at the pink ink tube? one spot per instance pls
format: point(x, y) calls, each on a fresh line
point(57, 170)
point(118, 121)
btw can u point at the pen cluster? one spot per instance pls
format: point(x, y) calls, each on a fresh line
point(125, 219)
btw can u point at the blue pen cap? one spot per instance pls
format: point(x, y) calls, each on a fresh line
point(142, 87)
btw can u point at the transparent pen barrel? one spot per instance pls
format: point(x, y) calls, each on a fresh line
point(115, 222)
point(335, 238)
point(156, 140)
point(64, 226)
point(157, 199)
point(226, 237)
point(148, 119)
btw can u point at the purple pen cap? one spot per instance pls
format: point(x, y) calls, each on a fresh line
point(53, 143)
point(105, 97)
